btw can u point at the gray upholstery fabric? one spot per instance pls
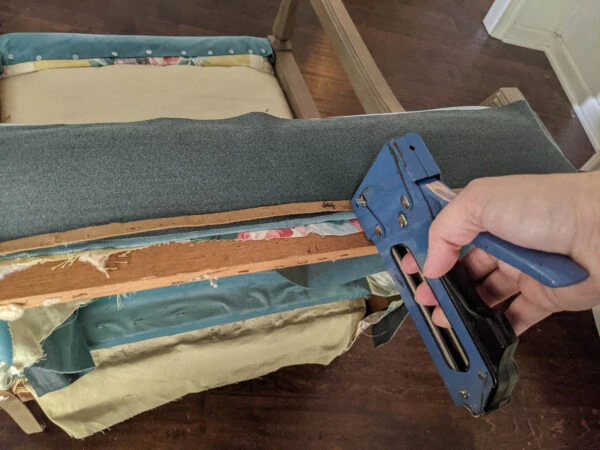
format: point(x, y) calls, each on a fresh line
point(60, 177)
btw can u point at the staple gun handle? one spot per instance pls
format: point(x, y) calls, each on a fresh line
point(550, 269)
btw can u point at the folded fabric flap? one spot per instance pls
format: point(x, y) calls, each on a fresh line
point(66, 358)
point(44, 381)
point(333, 273)
point(384, 330)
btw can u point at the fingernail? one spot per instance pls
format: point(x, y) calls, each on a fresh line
point(418, 293)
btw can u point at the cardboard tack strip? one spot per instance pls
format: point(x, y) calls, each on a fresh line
point(172, 264)
point(142, 226)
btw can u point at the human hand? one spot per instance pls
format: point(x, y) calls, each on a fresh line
point(555, 213)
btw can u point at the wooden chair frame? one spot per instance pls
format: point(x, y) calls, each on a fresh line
point(177, 263)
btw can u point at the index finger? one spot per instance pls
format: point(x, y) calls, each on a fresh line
point(409, 264)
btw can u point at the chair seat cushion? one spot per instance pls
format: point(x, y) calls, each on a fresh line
point(51, 78)
point(128, 93)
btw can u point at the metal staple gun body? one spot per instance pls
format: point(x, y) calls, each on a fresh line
point(395, 204)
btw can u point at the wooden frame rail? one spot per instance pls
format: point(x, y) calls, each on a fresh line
point(373, 92)
point(288, 73)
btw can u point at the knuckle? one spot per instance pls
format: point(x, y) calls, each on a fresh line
point(476, 184)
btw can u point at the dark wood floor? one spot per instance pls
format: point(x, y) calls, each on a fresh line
point(434, 53)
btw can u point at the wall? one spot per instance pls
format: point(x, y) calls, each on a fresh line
point(545, 14)
point(569, 32)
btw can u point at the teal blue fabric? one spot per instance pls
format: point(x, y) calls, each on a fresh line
point(17, 48)
point(6, 354)
point(108, 322)
point(66, 358)
point(178, 309)
point(334, 273)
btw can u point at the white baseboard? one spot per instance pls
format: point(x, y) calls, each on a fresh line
point(500, 23)
point(496, 18)
point(592, 164)
point(585, 103)
point(535, 38)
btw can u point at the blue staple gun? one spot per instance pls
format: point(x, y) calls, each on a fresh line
point(395, 204)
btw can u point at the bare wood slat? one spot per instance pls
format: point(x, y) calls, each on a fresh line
point(176, 263)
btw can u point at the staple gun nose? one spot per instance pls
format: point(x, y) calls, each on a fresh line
point(395, 204)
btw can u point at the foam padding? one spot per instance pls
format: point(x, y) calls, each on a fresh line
point(57, 178)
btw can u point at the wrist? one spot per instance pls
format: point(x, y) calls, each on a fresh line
point(587, 208)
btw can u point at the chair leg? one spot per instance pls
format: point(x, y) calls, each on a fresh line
point(286, 68)
point(285, 20)
point(503, 96)
point(373, 92)
point(19, 413)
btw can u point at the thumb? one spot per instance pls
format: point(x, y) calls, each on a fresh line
point(456, 226)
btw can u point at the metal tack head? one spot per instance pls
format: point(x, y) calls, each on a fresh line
point(402, 220)
point(362, 201)
point(405, 202)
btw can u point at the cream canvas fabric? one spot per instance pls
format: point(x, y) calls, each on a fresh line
point(33, 327)
point(134, 378)
point(128, 93)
